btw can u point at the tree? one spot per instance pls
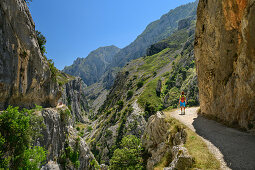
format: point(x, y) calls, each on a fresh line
point(41, 41)
point(27, 1)
point(129, 156)
point(16, 138)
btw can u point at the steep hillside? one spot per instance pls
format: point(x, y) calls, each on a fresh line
point(91, 68)
point(225, 58)
point(26, 77)
point(143, 87)
point(154, 32)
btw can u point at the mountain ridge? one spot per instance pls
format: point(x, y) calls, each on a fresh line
point(91, 68)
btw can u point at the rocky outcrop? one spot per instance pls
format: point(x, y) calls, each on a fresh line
point(73, 96)
point(225, 58)
point(160, 141)
point(25, 77)
point(154, 138)
point(185, 23)
point(181, 159)
point(57, 134)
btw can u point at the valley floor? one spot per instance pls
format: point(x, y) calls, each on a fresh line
point(233, 148)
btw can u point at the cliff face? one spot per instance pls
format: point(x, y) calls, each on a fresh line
point(73, 96)
point(58, 135)
point(25, 77)
point(225, 57)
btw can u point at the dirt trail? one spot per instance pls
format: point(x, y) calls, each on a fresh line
point(234, 149)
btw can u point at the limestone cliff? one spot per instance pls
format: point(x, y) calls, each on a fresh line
point(159, 141)
point(73, 96)
point(25, 77)
point(225, 57)
point(59, 134)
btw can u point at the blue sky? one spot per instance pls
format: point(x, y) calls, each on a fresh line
point(75, 28)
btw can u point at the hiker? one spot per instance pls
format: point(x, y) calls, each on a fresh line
point(182, 102)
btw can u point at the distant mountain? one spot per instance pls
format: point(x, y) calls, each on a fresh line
point(91, 68)
point(154, 32)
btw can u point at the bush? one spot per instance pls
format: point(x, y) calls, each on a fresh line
point(108, 133)
point(18, 131)
point(89, 128)
point(149, 110)
point(130, 94)
point(192, 102)
point(71, 155)
point(53, 70)
point(129, 156)
point(120, 104)
point(40, 38)
point(140, 84)
point(65, 115)
point(94, 164)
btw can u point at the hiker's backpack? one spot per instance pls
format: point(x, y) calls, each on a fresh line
point(182, 97)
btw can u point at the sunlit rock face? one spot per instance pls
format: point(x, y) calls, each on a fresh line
point(225, 59)
point(25, 77)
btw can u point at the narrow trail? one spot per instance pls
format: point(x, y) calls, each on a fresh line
point(234, 149)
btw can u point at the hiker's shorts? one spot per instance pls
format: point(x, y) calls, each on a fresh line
point(182, 104)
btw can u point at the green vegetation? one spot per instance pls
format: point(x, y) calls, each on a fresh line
point(120, 105)
point(149, 95)
point(130, 94)
point(41, 39)
point(94, 164)
point(38, 108)
point(197, 148)
point(18, 131)
point(65, 115)
point(155, 62)
point(165, 161)
point(140, 84)
point(149, 110)
point(122, 130)
point(129, 156)
point(89, 128)
point(70, 155)
point(53, 70)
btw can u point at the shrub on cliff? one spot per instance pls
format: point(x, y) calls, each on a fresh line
point(129, 156)
point(130, 94)
point(41, 40)
point(18, 131)
point(140, 84)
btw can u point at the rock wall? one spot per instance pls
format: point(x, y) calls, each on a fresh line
point(159, 141)
point(225, 58)
point(59, 129)
point(25, 77)
point(73, 96)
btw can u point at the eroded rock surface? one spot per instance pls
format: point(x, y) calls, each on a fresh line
point(159, 141)
point(73, 96)
point(225, 58)
point(25, 77)
point(58, 132)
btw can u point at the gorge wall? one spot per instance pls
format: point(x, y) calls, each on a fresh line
point(225, 58)
point(25, 76)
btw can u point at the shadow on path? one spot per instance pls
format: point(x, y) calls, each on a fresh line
point(237, 147)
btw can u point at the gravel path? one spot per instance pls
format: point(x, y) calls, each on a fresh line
point(234, 149)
